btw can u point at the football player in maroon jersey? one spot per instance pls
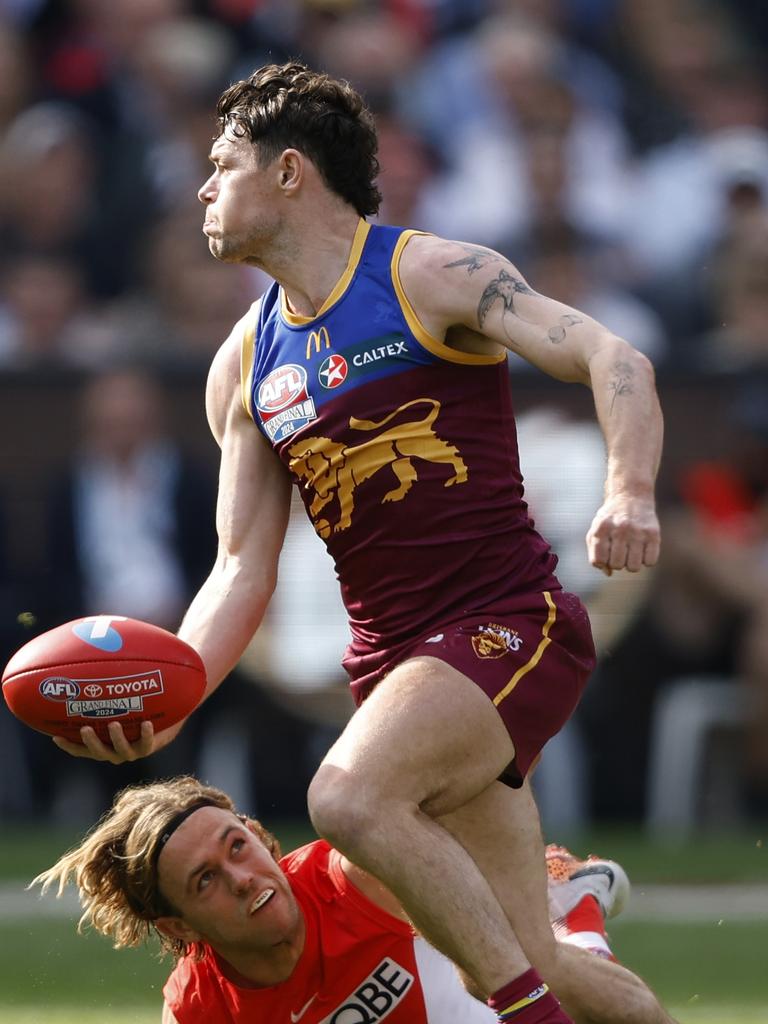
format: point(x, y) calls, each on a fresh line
point(466, 654)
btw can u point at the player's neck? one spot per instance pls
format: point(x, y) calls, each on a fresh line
point(314, 257)
point(262, 969)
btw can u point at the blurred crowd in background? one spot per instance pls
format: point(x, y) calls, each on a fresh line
point(615, 150)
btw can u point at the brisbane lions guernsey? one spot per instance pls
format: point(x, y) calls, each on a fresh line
point(360, 965)
point(404, 451)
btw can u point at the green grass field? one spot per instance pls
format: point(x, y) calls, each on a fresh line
point(706, 973)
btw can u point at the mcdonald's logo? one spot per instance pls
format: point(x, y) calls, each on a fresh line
point(318, 339)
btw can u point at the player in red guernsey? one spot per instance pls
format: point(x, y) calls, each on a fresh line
point(372, 375)
point(258, 938)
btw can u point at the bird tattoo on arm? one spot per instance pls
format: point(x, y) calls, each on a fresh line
point(503, 287)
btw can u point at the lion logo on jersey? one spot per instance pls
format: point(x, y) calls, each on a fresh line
point(335, 471)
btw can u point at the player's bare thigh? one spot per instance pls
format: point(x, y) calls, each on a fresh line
point(427, 735)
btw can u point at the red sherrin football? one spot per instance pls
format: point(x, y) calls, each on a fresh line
point(101, 669)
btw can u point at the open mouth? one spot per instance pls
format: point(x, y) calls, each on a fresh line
point(261, 899)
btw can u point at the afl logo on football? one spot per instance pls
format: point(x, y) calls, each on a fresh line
point(333, 371)
point(281, 388)
point(58, 688)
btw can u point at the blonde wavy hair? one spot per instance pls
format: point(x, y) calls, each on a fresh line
point(115, 866)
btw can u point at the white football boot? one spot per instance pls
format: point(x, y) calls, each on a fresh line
point(571, 879)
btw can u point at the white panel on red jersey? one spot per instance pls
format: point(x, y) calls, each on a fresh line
point(445, 998)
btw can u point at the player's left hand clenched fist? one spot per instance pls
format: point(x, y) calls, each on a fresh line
point(624, 534)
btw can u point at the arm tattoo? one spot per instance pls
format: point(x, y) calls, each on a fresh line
point(503, 287)
point(621, 382)
point(557, 333)
point(476, 259)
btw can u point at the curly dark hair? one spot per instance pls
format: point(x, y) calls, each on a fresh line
point(284, 106)
point(115, 866)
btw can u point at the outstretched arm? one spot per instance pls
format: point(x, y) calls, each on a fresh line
point(472, 296)
point(251, 519)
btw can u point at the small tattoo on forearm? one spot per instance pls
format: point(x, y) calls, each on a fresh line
point(503, 287)
point(557, 333)
point(476, 259)
point(621, 382)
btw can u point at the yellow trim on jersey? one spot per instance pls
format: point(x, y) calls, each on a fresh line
point(422, 335)
point(247, 348)
point(536, 658)
point(526, 1000)
point(296, 319)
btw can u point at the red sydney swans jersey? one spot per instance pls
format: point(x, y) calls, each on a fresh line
point(360, 965)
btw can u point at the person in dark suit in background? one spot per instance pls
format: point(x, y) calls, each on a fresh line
point(130, 524)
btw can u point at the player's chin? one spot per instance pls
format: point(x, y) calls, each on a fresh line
point(215, 248)
point(224, 252)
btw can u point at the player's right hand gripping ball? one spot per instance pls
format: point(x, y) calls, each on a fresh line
point(102, 669)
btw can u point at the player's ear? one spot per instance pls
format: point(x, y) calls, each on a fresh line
point(176, 928)
point(290, 170)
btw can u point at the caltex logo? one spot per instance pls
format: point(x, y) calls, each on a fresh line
point(333, 371)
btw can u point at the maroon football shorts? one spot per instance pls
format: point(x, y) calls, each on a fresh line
point(532, 655)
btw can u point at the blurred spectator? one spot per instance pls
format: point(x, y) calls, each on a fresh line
point(51, 201)
point(682, 48)
point(723, 548)
point(667, 50)
point(690, 59)
point(563, 465)
point(409, 169)
point(738, 282)
point(86, 47)
point(372, 47)
point(131, 521)
point(525, 144)
point(188, 302)
point(45, 316)
point(180, 68)
point(705, 615)
point(688, 194)
point(567, 265)
point(456, 84)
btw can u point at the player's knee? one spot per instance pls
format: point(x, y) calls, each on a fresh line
point(337, 809)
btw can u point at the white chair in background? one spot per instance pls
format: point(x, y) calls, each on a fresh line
point(688, 773)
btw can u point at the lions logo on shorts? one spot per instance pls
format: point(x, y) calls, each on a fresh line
point(494, 641)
